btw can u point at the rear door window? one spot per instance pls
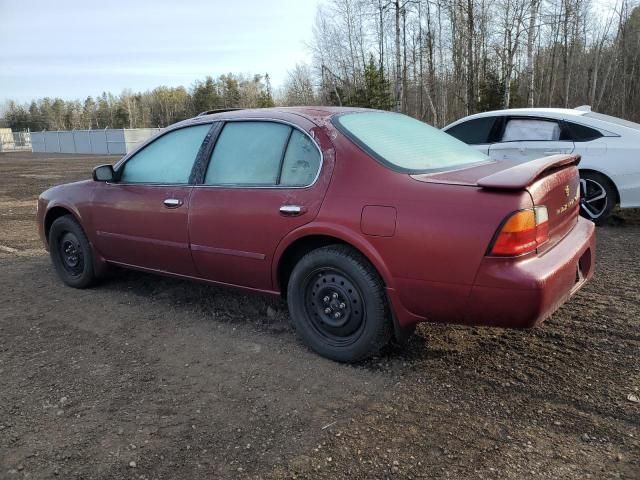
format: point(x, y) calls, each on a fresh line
point(248, 153)
point(474, 132)
point(263, 153)
point(531, 129)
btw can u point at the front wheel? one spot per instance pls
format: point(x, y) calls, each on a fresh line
point(71, 253)
point(597, 197)
point(338, 304)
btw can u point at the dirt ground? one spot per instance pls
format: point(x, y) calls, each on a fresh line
point(153, 378)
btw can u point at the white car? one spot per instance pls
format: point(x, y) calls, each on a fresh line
point(609, 147)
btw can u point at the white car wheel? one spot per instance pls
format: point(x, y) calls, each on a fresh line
point(597, 197)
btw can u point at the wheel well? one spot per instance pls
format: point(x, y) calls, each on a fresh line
point(52, 215)
point(615, 188)
point(296, 251)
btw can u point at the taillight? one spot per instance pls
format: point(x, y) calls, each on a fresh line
point(523, 232)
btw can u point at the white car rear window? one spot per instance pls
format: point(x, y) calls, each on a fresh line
point(406, 144)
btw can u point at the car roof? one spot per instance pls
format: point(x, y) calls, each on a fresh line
point(315, 114)
point(534, 112)
point(529, 112)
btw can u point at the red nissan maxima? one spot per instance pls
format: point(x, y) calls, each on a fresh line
point(368, 222)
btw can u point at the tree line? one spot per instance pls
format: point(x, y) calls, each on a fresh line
point(437, 60)
point(159, 107)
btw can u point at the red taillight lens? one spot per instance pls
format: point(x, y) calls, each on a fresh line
point(523, 232)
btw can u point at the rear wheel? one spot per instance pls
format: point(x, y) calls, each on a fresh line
point(71, 253)
point(338, 304)
point(597, 197)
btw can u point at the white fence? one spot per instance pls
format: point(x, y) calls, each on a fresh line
point(14, 141)
point(109, 141)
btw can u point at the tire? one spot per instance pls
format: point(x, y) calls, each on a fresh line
point(333, 280)
point(598, 197)
point(71, 253)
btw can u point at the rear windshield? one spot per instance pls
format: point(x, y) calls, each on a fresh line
point(406, 144)
point(614, 120)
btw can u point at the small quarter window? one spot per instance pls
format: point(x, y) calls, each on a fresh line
point(301, 161)
point(581, 133)
point(168, 159)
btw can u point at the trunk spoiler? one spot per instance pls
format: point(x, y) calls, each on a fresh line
point(522, 175)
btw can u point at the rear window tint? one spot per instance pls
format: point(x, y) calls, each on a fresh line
point(406, 144)
point(581, 133)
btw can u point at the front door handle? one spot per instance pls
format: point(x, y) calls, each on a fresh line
point(291, 210)
point(553, 152)
point(172, 202)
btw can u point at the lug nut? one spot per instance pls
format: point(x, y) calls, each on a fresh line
point(343, 306)
point(327, 310)
point(335, 295)
point(326, 299)
point(337, 315)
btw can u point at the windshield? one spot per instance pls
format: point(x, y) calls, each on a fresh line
point(614, 120)
point(406, 144)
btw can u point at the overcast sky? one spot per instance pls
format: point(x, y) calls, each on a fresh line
point(75, 48)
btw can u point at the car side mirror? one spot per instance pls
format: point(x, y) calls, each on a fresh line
point(104, 173)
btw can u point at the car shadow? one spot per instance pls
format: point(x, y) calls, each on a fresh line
point(264, 313)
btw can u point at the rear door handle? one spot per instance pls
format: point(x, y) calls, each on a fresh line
point(553, 152)
point(172, 202)
point(291, 210)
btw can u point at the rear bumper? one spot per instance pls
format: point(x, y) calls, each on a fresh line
point(524, 292)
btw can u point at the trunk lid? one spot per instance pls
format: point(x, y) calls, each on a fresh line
point(553, 182)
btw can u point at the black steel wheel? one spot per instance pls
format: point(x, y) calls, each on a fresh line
point(338, 305)
point(334, 305)
point(597, 197)
point(71, 253)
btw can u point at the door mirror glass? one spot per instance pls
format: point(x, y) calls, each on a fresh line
point(103, 173)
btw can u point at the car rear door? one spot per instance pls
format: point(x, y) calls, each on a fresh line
point(141, 219)
point(263, 180)
point(527, 138)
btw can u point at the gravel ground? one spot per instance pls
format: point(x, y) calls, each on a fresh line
point(148, 377)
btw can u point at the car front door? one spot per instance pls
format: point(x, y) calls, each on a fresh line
point(263, 180)
point(141, 219)
point(527, 138)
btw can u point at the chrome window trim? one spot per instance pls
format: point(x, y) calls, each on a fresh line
point(234, 186)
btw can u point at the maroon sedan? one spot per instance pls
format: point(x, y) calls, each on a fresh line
point(368, 222)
